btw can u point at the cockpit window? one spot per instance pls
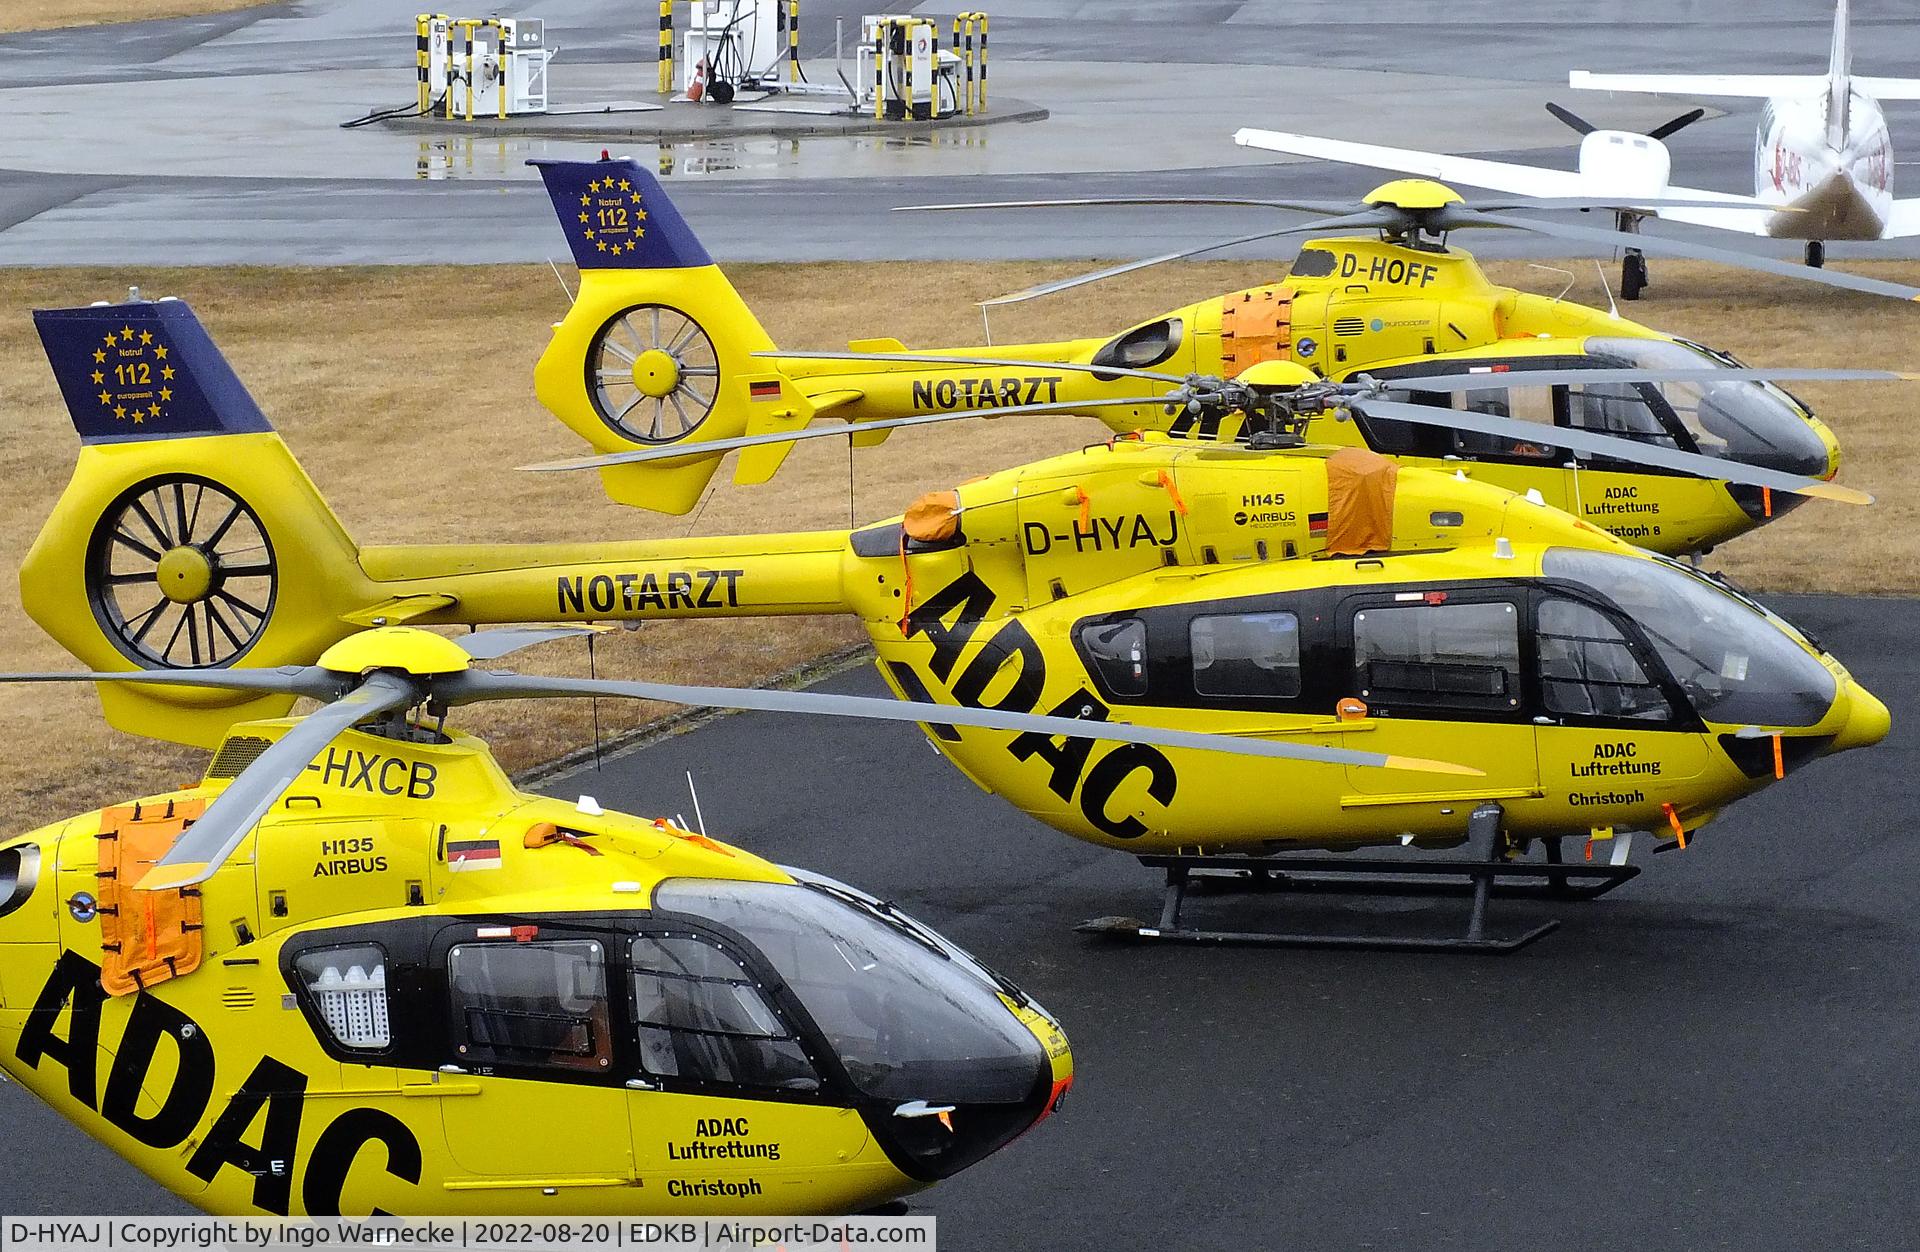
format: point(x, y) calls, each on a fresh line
point(1752, 422)
point(701, 1017)
point(1143, 346)
point(908, 1022)
point(1735, 662)
point(531, 1004)
point(1588, 669)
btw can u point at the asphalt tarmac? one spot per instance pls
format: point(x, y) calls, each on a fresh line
point(214, 140)
point(1719, 1054)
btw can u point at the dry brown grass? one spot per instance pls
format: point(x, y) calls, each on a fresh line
point(410, 421)
point(18, 15)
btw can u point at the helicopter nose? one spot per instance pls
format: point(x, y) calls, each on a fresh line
point(1867, 720)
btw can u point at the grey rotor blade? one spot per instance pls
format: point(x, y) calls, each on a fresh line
point(1366, 217)
point(1631, 450)
point(491, 645)
point(1492, 380)
point(991, 362)
point(476, 686)
point(1662, 245)
point(1620, 204)
point(1295, 206)
point(204, 846)
point(845, 430)
point(290, 680)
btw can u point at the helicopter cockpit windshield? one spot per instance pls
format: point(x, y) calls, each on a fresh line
point(1755, 423)
point(919, 1027)
point(1734, 660)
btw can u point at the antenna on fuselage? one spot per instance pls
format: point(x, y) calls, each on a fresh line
point(693, 791)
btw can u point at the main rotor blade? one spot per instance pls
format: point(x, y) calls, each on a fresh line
point(1365, 217)
point(204, 846)
point(1610, 446)
point(491, 645)
point(1680, 123)
point(1493, 380)
point(937, 358)
point(714, 447)
point(288, 680)
point(1661, 245)
point(1296, 206)
point(477, 685)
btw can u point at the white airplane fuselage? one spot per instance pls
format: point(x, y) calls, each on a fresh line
point(1838, 179)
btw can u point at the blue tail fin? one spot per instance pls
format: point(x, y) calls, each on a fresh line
point(617, 216)
point(146, 369)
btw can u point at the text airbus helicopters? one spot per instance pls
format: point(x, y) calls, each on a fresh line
point(1317, 598)
point(354, 970)
point(659, 351)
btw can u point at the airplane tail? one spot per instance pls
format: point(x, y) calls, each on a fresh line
point(1839, 71)
point(170, 545)
point(658, 347)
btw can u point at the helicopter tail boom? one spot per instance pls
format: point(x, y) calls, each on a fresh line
point(658, 348)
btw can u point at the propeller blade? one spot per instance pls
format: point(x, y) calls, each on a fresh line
point(1661, 245)
point(1619, 204)
point(491, 645)
point(939, 358)
point(1493, 380)
point(289, 680)
point(1578, 124)
point(1296, 206)
point(476, 686)
point(1611, 446)
point(714, 447)
point(1685, 120)
point(1365, 217)
point(204, 846)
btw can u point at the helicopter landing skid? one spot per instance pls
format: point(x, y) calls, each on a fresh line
point(1479, 879)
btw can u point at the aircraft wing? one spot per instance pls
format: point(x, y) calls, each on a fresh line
point(1743, 221)
point(1889, 88)
point(1526, 180)
point(1903, 221)
point(1757, 85)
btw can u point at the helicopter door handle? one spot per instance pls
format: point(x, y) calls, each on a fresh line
point(1546, 721)
point(920, 1108)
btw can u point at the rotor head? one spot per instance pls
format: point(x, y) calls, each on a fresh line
point(403, 649)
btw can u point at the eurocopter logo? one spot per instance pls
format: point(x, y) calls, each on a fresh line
point(132, 374)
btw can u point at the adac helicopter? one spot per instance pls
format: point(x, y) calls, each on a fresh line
point(353, 970)
point(660, 351)
point(1324, 600)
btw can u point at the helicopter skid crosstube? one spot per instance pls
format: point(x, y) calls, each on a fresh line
point(1398, 878)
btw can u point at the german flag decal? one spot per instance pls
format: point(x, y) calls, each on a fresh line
point(1317, 524)
point(767, 390)
point(472, 854)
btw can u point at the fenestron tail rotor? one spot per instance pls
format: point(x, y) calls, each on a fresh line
point(383, 673)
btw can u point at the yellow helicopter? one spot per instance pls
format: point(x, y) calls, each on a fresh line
point(354, 971)
point(659, 351)
point(1355, 617)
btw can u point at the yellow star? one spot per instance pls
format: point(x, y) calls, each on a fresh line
point(110, 339)
point(98, 356)
point(625, 185)
point(146, 336)
point(153, 409)
point(583, 219)
point(166, 393)
point(138, 417)
point(105, 398)
point(119, 410)
point(98, 377)
point(584, 200)
point(640, 213)
point(126, 333)
point(160, 352)
point(589, 233)
point(635, 197)
point(166, 371)
point(601, 246)
point(640, 232)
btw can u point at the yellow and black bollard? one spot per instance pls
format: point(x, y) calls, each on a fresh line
point(793, 41)
point(666, 47)
point(422, 23)
point(882, 37)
